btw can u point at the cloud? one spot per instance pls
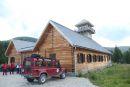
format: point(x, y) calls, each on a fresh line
point(113, 32)
point(7, 31)
point(112, 43)
point(104, 41)
point(124, 42)
point(4, 27)
point(29, 17)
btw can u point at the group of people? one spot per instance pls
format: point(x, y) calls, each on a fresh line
point(11, 68)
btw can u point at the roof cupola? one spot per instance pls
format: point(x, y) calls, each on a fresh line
point(85, 28)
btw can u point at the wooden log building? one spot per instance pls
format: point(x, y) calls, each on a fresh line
point(76, 50)
point(19, 49)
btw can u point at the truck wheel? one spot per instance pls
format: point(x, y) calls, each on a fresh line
point(62, 76)
point(42, 78)
point(30, 79)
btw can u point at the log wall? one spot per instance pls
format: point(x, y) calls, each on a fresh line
point(88, 66)
point(54, 43)
point(19, 56)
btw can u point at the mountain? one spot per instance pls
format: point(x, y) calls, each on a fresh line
point(122, 48)
point(31, 39)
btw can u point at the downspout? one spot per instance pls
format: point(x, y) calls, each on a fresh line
point(21, 59)
point(75, 71)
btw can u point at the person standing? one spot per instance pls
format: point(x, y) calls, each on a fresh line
point(12, 67)
point(17, 68)
point(20, 68)
point(5, 67)
point(9, 68)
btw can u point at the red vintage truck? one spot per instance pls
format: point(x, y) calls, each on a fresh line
point(41, 69)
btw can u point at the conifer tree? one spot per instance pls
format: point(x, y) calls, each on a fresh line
point(117, 55)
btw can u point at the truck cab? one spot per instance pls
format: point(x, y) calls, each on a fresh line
point(41, 68)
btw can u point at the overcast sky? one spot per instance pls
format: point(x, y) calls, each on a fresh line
point(111, 18)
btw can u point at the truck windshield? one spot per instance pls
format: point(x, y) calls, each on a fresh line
point(27, 63)
point(40, 63)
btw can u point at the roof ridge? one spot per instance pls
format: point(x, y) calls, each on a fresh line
point(22, 41)
point(70, 30)
point(61, 25)
point(76, 39)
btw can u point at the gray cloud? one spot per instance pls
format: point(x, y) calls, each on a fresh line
point(114, 33)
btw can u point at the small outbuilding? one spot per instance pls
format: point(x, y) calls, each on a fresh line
point(19, 49)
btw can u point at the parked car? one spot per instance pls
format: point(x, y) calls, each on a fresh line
point(41, 69)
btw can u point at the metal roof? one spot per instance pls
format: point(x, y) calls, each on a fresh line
point(84, 22)
point(78, 40)
point(22, 46)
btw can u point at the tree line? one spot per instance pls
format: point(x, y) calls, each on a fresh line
point(120, 57)
point(3, 47)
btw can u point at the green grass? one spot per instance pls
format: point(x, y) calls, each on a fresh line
point(116, 76)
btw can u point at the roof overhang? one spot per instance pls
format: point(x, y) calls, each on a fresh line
point(92, 49)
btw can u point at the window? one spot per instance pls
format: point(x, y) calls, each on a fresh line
point(28, 63)
point(94, 58)
point(101, 58)
point(98, 58)
point(57, 64)
point(38, 63)
point(53, 56)
point(50, 64)
point(81, 58)
point(43, 63)
point(89, 58)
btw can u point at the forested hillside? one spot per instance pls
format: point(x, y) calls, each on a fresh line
point(122, 48)
point(31, 39)
point(4, 44)
point(119, 56)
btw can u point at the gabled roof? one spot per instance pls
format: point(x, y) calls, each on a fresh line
point(75, 39)
point(21, 46)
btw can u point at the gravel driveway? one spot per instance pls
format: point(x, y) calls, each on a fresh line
point(20, 81)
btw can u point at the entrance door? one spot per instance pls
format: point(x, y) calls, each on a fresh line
point(12, 60)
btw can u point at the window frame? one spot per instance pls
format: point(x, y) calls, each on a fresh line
point(81, 58)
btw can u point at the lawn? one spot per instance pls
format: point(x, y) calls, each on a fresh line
point(116, 76)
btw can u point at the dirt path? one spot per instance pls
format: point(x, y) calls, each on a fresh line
point(20, 81)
